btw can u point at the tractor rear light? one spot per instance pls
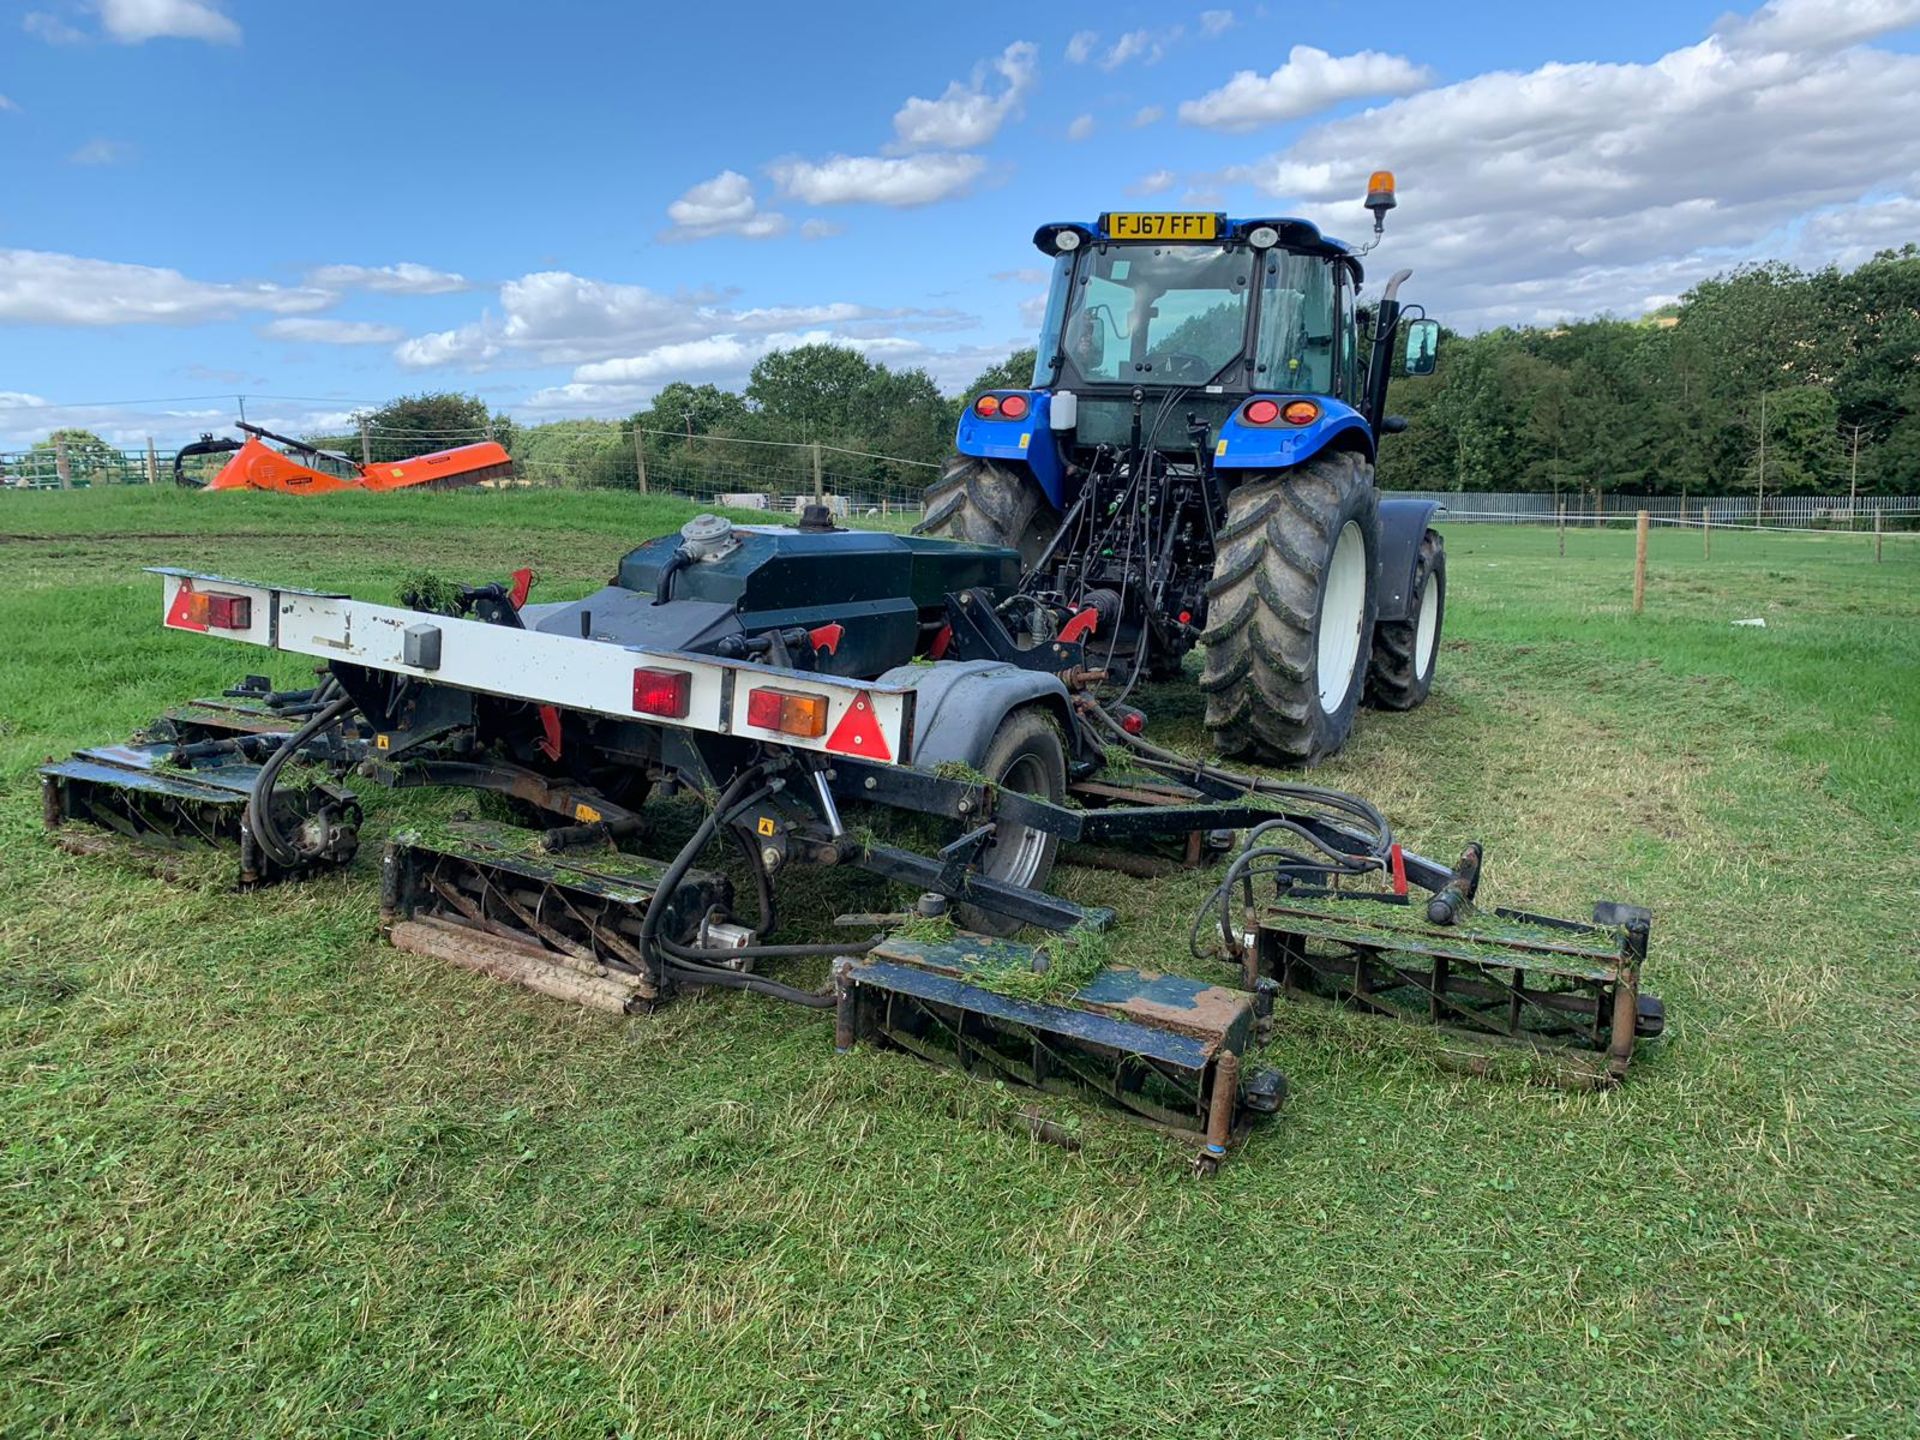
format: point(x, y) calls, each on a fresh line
point(661, 692)
point(987, 405)
point(791, 712)
point(1261, 412)
point(1300, 412)
point(220, 612)
point(1013, 407)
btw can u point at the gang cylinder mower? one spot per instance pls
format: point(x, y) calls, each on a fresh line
point(801, 686)
point(1193, 465)
point(298, 468)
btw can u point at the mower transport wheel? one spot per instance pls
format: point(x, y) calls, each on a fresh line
point(1027, 755)
point(1405, 651)
point(988, 504)
point(1290, 610)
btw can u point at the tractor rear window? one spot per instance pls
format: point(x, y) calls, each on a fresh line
point(1173, 313)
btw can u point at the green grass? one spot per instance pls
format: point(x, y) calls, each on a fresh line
point(261, 1175)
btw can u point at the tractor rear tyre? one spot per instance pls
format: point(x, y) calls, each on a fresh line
point(1290, 610)
point(1404, 651)
point(1027, 756)
point(988, 504)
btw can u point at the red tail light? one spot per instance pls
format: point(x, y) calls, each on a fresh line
point(791, 712)
point(221, 612)
point(1261, 412)
point(1013, 407)
point(661, 692)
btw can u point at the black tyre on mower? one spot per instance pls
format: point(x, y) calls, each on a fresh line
point(1290, 610)
point(1400, 675)
point(1028, 756)
point(987, 504)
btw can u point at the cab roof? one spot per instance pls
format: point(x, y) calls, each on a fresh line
point(1295, 234)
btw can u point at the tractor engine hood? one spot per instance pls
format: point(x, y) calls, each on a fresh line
point(725, 581)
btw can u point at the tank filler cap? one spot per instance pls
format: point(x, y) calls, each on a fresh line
point(708, 537)
point(816, 520)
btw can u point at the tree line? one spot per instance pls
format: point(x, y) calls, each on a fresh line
point(1766, 378)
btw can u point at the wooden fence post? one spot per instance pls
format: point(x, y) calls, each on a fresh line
point(60, 464)
point(153, 463)
point(819, 491)
point(1706, 531)
point(1640, 562)
point(640, 459)
point(1876, 534)
point(1563, 529)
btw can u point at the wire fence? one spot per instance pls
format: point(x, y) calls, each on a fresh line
point(783, 476)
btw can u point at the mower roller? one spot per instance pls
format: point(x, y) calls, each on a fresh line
point(798, 684)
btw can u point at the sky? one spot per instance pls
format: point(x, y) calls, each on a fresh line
point(563, 207)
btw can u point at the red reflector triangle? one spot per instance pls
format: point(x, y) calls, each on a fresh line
point(180, 613)
point(859, 733)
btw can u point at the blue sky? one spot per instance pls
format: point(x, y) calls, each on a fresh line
point(564, 206)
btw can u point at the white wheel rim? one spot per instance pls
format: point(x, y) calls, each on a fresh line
point(1342, 609)
point(1428, 631)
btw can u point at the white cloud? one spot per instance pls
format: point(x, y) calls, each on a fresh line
point(723, 205)
point(1080, 47)
point(40, 287)
point(45, 25)
point(1157, 182)
point(1025, 275)
point(819, 229)
point(311, 330)
point(1310, 80)
point(1081, 128)
point(556, 318)
point(133, 22)
point(1816, 25)
point(877, 180)
point(102, 152)
point(6, 104)
point(1148, 115)
point(1570, 188)
point(1142, 45)
point(405, 278)
point(966, 116)
point(1215, 22)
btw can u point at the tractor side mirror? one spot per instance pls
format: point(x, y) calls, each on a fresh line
point(1088, 342)
point(1423, 346)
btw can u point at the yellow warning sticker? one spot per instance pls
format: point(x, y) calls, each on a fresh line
point(585, 814)
point(1221, 448)
point(765, 825)
point(382, 742)
point(1025, 438)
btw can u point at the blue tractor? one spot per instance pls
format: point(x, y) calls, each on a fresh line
point(1194, 465)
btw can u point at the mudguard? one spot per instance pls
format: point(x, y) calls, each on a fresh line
point(1240, 446)
point(959, 705)
point(1402, 525)
point(1028, 439)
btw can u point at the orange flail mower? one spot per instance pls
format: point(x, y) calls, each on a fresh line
point(256, 465)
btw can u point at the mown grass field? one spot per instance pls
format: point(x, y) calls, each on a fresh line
point(261, 1175)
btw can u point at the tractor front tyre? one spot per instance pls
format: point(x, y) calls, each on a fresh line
point(1290, 610)
point(1027, 756)
point(987, 504)
point(1405, 651)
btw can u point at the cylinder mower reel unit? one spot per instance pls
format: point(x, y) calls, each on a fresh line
point(1195, 459)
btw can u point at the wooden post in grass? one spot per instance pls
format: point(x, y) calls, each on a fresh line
point(1877, 512)
point(1563, 529)
point(153, 463)
point(1706, 532)
point(61, 467)
point(1640, 562)
point(819, 490)
point(640, 459)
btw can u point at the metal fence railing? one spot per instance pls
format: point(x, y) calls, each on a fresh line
point(782, 476)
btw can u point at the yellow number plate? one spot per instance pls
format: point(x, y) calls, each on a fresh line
point(1162, 225)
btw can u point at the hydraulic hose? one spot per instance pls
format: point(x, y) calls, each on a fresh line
point(260, 819)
